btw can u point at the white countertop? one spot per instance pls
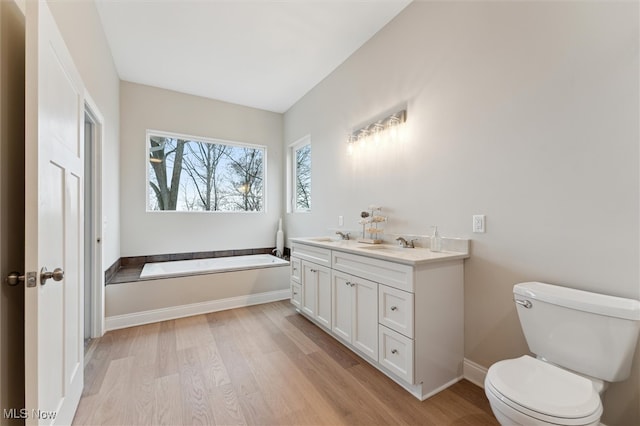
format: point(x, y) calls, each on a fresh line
point(394, 253)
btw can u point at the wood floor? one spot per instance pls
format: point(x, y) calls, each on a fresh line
point(261, 365)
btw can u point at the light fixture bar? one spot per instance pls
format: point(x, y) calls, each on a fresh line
point(374, 130)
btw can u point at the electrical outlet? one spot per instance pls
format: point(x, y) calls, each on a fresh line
point(478, 223)
point(340, 220)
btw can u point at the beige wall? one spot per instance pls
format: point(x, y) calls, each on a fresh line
point(80, 26)
point(526, 112)
point(12, 56)
point(145, 107)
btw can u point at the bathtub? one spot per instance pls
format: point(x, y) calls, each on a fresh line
point(175, 289)
point(209, 266)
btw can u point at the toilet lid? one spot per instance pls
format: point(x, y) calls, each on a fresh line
point(544, 388)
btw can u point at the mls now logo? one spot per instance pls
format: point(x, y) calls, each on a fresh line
point(23, 413)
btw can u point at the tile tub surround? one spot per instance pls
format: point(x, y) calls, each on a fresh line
point(127, 269)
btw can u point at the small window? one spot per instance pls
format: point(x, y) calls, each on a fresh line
point(199, 174)
point(301, 175)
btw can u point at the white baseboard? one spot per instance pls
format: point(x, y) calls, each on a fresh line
point(139, 318)
point(475, 373)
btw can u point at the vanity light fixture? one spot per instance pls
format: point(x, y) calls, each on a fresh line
point(387, 129)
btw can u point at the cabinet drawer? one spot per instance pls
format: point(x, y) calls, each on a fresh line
point(395, 309)
point(296, 294)
point(396, 353)
point(318, 255)
point(295, 269)
point(381, 271)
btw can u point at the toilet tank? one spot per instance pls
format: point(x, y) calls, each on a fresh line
point(590, 333)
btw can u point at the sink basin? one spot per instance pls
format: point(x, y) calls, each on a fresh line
point(384, 248)
point(323, 240)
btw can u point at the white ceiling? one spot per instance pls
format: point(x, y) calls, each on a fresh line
point(261, 53)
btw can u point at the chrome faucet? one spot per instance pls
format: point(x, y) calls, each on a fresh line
point(405, 243)
point(343, 235)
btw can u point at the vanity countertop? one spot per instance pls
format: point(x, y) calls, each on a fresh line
point(390, 252)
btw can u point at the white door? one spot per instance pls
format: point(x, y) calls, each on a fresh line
point(54, 223)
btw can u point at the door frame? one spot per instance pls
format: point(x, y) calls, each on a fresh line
point(97, 295)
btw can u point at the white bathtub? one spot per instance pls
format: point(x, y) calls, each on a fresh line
point(176, 289)
point(209, 266)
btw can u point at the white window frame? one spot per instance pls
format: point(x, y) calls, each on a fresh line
point(150, 132)
point(291, 175)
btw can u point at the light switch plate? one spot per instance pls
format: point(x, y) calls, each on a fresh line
point(340, 220)
point(478, 223)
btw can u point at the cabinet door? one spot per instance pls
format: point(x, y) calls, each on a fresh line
point(323, 285)
point(341, 305)
point(309, 289)
point(365, 317)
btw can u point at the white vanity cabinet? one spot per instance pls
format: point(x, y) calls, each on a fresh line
point(401, 310)
point(355, 312)
point(313, 282)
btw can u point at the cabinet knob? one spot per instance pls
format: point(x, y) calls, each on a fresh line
point(313, 270)
point(347, 283)
point(394, 351)
point(394, 308)
point(295, 293)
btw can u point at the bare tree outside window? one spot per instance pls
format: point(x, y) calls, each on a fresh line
point(247, 171)
point(186, 174)
point(165, 157)
point(201, 165)
point(303, 177)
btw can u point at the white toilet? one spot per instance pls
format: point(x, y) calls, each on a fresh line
point(582, 341)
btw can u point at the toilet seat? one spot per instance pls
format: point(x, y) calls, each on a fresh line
point(544, 392)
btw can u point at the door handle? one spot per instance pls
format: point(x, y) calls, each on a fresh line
point(14, 278)
point(57, 275)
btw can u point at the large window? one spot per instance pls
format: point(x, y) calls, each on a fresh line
point(198, 174)
point(301, 173)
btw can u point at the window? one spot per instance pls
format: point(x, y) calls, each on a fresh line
point(197, 174)
point(301, 175)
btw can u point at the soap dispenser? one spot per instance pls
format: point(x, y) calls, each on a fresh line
point(436, 241)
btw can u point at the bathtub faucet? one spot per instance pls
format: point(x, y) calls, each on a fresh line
point(343, 235)
point(276, 252)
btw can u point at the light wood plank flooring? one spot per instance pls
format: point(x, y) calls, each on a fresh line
point(261, 365)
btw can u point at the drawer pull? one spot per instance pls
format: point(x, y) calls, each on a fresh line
point(313, 270)
point(295, 293)
point(394, 308)
point(394, 351)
